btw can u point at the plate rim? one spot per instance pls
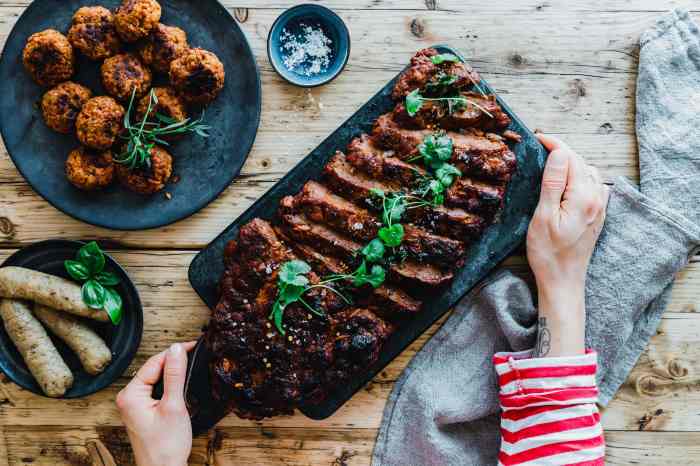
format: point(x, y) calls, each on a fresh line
point(195, 208)
point(127, 357)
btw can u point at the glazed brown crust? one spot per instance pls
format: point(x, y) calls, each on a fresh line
point(89, 170)
point(134, 19)
point(99, 122)
point(163, 45)
point(169, 104)
point(198, 75)
point(49, 58)
point(93, 34)
point(148, 181)
point(123, 73)
point(61, 105)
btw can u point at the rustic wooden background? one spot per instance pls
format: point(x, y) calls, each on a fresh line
point(566, 67)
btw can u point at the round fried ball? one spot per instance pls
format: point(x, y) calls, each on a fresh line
point(123, 73)
point(148, 180)
point(88, 169)
point(134, 19)
point(169, 104)
point(99, 122)
point(60, 106)
point(164, 44)
point(198, 75)
point(49, 58)
point(93, 33)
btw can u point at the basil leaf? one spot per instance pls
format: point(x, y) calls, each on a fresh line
point(392, 236)
point(91, 255)
point(93, 294)
point(374, 251)
point(292, 272)
point(77, 270)
point(107, 278)
point(444, 57)
point(113, 305)
point(414, 101)
point(376, 276)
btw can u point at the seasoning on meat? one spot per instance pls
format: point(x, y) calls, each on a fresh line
point(261, 369)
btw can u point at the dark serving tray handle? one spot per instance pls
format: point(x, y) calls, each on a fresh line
point(204, 411)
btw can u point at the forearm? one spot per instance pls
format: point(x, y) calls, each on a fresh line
point(562, 316)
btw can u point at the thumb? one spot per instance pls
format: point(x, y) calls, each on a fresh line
point(174, 375)
point(554, 179)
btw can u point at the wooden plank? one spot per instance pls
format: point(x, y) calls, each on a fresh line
point(49, 446)
point(580, 89)
point(173, 312)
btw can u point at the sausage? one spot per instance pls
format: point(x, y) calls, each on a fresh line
point(49, 290)
point(92, 351)
point(35, 346)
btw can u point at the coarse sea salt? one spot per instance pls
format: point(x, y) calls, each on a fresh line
point(308, 52)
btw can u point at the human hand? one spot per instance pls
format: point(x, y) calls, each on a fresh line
point(560, 242)
point(160, 431)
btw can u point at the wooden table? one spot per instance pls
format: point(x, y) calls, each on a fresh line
point(566, 67)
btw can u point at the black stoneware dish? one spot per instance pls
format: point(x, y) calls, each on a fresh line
point(495, 245)
point(205, 166)
point(123, 340)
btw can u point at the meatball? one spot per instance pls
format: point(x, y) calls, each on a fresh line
point(93, 33)
point(198, 75)
point(49, 58)
point(88, 170)
point(99, 122)
point(134, 19)
point(169, 104)
point(164, 44)
point(61, 105)
point(123, 73)
point(148, 180)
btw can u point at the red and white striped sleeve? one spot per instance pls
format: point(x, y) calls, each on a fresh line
point(549, 414)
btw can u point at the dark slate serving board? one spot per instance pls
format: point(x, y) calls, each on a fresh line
point(205, 166)
point(496, 244)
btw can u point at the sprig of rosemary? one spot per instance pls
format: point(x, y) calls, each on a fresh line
point(142, 136)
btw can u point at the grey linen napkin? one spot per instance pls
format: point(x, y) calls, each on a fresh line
point(443, 410)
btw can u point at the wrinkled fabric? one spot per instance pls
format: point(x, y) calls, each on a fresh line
point(443, 410)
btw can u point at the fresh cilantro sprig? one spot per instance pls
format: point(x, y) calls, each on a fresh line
point(443, 58)
point(292, 284)
point(436, 151)
point(97, 290)
point(414, 102)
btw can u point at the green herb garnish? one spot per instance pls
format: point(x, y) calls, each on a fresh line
point(144, 135)
point(96, 291)
point(414, 102)
point(292, 283)
point(444, 57)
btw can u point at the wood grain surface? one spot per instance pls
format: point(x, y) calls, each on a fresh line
point(568, 68)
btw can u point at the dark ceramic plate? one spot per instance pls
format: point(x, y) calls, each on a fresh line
point(123, 340)
point(495, 245)
point(205, 166)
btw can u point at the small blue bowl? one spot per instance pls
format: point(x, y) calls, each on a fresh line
point(299, 25)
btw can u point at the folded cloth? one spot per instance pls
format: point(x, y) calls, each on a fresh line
point(443, 410)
